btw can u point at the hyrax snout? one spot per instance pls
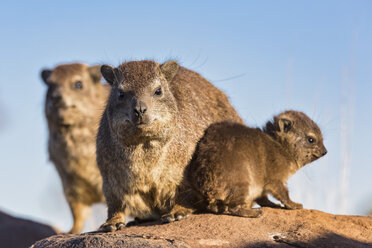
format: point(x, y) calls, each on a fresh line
point(154, 117)
point(74, 103)
point(235, 165)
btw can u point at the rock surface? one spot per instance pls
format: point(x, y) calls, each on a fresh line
point(16, 232)
point(276, 228)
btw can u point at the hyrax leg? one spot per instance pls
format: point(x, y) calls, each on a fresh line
point(178, 212)
point(263, 201)
point(280, 192)
point(116, 217)
point(80, 212)
point(244, 210)
point(184, 204)
point(216, 206)
point(114, 223)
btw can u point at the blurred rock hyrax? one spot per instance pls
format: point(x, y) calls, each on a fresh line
point(235, 165)
point(74, 103)
point(154, 117)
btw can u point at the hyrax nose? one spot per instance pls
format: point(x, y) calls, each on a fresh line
point(140, 109)
point(324, 152)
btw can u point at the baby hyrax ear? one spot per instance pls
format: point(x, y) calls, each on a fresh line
point(95, 73)
point(169, 69)
point(109, 73)
point(285, 125)
point(45, 74)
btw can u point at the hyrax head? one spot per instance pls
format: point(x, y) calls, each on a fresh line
point(141, 104)
point(300, 136)
point(72, 93)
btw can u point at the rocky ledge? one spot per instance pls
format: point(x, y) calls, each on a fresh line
point(276, 228)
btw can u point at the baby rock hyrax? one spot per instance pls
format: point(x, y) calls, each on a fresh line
point(154, 117)
point(235, 165)
point(73, 106)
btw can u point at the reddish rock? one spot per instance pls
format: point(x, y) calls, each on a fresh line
point(276, 228)
point(16, 232)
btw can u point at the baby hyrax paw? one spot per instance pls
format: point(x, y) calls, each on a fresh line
point(293, 205)
point(245, 212)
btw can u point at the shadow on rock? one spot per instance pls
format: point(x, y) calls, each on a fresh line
point(330, 240)
point(16, 232)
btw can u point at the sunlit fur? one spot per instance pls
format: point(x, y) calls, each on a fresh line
point(73, 116)
point(142, 160)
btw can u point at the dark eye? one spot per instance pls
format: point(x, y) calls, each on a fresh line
point(78, 85)
point(310, 140)
point(158, 92)
point(120, 94)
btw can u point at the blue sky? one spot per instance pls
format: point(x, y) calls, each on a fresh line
point(268, 56)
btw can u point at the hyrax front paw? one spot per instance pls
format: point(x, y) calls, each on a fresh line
point(178, 212)
point(293, 205)
point(112, 225)
point(168, 218)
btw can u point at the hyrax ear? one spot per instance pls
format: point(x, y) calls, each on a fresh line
point(108, 72)
point(95, 73)
point(169, 69)
point(45, 74)
point(285, 125)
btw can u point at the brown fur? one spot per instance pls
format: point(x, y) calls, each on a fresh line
point(145, 140)
point(73, 115)
point(235, 166)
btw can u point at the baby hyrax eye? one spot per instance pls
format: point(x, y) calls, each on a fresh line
point(78, 85)
point(311, 140)
point(158, 92)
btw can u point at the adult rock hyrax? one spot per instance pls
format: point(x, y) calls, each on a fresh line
point(73, 106)
point(155, 115)
point(235, 165)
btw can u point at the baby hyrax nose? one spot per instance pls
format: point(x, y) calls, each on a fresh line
point(140, 109)
point(324, 152)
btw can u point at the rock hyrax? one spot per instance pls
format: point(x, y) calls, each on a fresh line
point(73, 106)
point(235, 165)
point(155, 115)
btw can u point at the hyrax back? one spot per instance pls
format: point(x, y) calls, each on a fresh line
point(235, 166)
point(73, 105)
point(155, 115)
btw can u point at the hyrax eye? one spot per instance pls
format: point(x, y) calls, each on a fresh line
point(158, 92)
point(78, 85)
point(120, 94)
point(311, 140)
